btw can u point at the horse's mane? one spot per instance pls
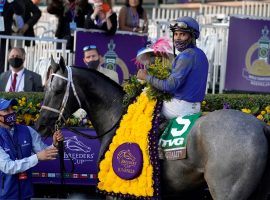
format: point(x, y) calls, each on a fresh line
point(98, 74)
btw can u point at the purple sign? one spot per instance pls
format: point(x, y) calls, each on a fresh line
point(127, 161)
point(119, 51)
point(248, 61)
point(80, 152)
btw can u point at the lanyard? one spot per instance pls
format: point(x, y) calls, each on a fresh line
point(72, 9)
point(2, 3)
point(134, 18)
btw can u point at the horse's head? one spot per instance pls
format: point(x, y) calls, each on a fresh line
point(59, 100)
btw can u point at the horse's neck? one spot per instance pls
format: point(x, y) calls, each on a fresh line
point(103, 101)
point(105, 117)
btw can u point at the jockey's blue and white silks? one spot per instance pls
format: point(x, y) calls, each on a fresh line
point(179, 108)
point(187, 82)
point(188, 78)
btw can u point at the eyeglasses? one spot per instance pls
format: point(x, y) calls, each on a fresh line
point(90, 47)
point(175, 25)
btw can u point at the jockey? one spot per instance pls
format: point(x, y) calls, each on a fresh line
point(188, 78)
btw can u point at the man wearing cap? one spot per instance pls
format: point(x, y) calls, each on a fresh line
point(17, 145)
point(92, 60)
point(188, 78)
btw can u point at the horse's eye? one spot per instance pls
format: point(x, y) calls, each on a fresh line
point(58, 91)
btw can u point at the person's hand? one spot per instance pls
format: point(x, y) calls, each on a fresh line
point(97, 9)
point(3, 125)
point(108, 14)
point(142, 73)
point(48, 154)
point(57, 137)
point(24, 29)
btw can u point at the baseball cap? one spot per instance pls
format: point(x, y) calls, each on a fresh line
point(4, 104)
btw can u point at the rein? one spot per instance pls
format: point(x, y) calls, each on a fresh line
point(63, 106)
point(93, 137)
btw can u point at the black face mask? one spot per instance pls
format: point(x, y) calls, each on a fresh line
point(181, 45)
point(93, 64)
point(10, 119)
point(15, 62)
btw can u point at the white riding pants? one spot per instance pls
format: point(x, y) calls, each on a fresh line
point(176, 108)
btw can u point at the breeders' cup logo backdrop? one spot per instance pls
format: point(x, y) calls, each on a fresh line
point(80, 160)
point(118, 51)
point(248, 67)
point(79, 152)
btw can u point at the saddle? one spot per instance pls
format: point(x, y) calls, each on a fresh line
point(173, 140)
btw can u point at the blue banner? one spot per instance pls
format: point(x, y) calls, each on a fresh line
point(248, 60)
point(80, 152)
point(119, 51)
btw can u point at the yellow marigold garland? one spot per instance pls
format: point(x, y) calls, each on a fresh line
point(134, 128)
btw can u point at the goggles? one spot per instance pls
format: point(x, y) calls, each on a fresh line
point(175, 25)
point(90, 47)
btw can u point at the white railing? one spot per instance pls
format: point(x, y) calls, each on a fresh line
point(258, 9)
point(210, 9)
point(39, 51)
point(171, 13)
point(212, 12)
point(214, 42)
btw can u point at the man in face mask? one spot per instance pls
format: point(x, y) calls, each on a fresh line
point(21, 148)
point(92, 60)
point(187, 81)
point(19, 79)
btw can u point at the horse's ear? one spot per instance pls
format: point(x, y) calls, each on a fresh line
point(62, 64)
point(54, 65)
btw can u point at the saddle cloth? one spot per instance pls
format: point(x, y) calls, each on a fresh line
point(173, 141)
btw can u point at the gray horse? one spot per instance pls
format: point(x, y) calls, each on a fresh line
point(227, 149)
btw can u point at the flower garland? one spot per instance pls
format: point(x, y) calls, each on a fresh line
point(135, 127)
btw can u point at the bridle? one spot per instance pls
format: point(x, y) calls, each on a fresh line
point(61, 111)
point(63, 106)
point(65, 98)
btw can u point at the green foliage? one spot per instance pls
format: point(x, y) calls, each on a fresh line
point(256, 104)
point(133, 88)
point(28, 108)
point(161, 69)
point(236, 101)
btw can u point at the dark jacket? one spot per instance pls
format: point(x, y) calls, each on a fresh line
point(17, 148)
point(90, 24)
point(16, 7)
point(32, 81)
point(65, 16)
point(31, 17)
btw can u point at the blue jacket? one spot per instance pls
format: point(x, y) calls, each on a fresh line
point(18, 147)
point(188, 78)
